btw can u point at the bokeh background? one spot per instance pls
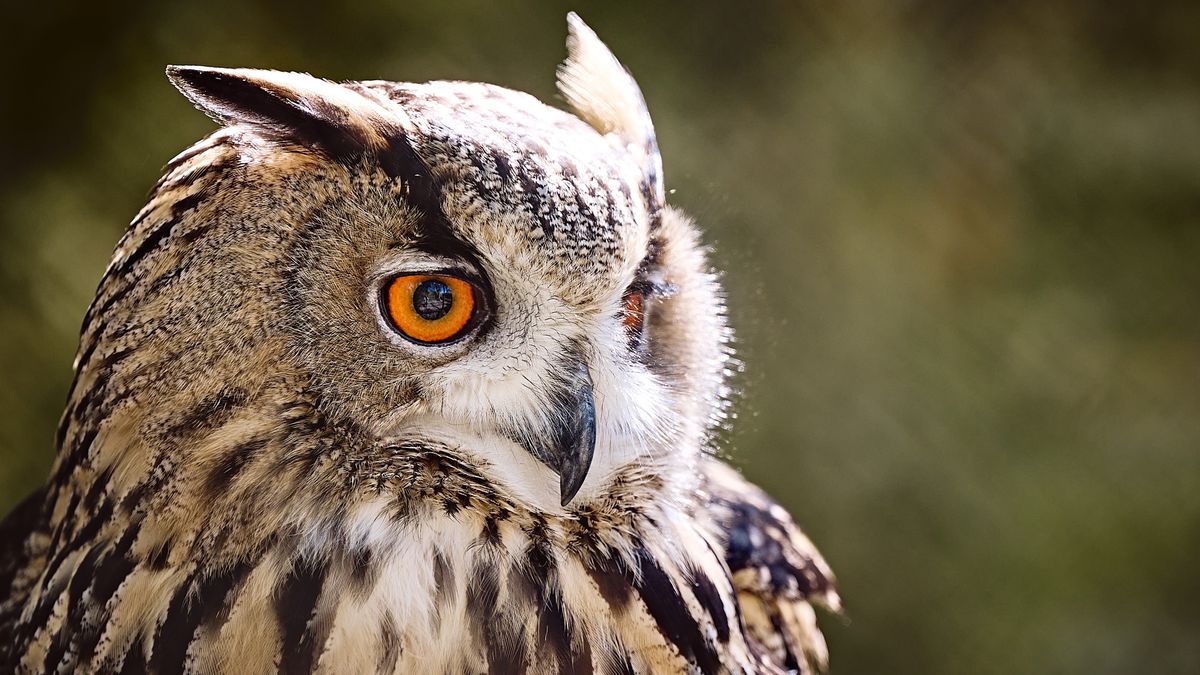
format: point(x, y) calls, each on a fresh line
point(962, 252)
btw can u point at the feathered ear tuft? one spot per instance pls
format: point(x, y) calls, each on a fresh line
point(291, 107)
point(605, 95)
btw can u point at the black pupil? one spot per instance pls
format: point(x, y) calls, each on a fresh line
point(432, 300)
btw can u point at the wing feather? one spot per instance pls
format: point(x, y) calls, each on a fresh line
point(778, 574)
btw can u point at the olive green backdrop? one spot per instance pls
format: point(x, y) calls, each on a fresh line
point(961, 243)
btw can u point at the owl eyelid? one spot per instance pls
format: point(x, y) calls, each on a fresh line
point(662, 289)
point(408, 258)
point(454, 272)
point(652, 289)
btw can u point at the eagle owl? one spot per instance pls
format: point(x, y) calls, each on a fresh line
point(406, 378)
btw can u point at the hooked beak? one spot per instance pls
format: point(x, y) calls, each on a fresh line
point(575, 440)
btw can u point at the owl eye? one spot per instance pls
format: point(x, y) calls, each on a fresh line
point(637, 303)
point(633, 314)
point(633, 317)
point(430, 308)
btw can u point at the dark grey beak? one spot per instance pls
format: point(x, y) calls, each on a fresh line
point(568, 444)
point(576, 437)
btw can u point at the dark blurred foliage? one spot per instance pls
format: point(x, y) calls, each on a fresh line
point(962, 250)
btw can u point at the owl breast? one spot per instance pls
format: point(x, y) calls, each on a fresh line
point(475, 592)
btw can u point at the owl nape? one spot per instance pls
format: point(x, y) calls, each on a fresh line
point(395, 378)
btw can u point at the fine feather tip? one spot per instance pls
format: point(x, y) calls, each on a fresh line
point(601, 92)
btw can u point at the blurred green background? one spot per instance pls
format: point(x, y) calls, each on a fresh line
point(962, 250)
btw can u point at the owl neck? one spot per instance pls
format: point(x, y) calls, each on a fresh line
point(272, 517)
point(259, 468)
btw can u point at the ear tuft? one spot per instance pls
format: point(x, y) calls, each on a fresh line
point(291, 107)
point(605, 95)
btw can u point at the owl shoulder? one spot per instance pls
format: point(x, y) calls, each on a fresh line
point(778, 574)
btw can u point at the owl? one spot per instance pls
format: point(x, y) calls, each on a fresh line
point(406, 378)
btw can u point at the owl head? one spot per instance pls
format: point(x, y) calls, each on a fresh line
point(448, 264)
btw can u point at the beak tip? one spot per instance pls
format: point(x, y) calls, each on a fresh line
point(577, 441)
point(569, 487)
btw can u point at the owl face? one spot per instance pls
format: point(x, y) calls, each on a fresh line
point(460, 265)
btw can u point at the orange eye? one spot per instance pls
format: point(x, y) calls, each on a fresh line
point(634, 313)
point(430, 308)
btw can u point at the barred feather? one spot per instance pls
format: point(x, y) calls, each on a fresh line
point(254, 476)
